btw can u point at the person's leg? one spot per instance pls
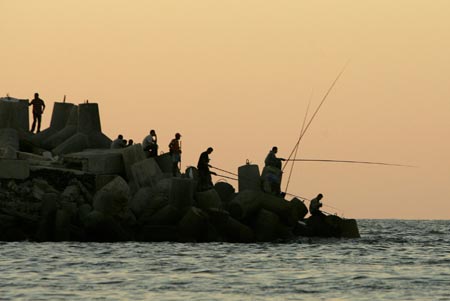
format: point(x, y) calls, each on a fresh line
point(39, 118)
point(34, 123)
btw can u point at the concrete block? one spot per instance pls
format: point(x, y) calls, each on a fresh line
point(88, 118)
point(165, 162)
point(99, 140)
point(181, 194)
point(58, 138)
point(249, 177)
point(14, 113)
point(130, 156)
point(113, 198)
point(76, 143)
point(146, 173)
point(7, 152)
point(14, 169)
point(97, 161)
point(9, 137)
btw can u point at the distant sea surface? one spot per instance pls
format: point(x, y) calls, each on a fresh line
point(394, 260)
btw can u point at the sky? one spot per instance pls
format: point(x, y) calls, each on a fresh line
point(238, 75)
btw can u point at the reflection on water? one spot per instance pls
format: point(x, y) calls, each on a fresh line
point(394, 260)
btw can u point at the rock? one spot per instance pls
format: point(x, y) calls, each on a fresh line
point(41, 187)
point(130, 156)
point(208, 199)
point(193, 226)
point(244, 204)
point(14, 169)
point(103, 228)
point(268, 227)
point(153, 204)
point(181, 194)
point(141, 200)
point(113, 198)
point(8, 152)
point(146, 173)
point(62, 225)
point(249, 178)
point(225, 190)
point(168, 215)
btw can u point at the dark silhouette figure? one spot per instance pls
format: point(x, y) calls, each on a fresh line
point(175, 152)
point(130, 142)
point(272, 172)
point(315, 205)
point(272, 160)
point(38, 109)
point(150, 144)
point(204, 174)
point(118, 143)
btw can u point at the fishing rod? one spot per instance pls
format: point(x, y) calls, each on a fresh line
point(296, 149)
point(226, 177)
point(318, 108)
point(229, 172)
point(349, 161)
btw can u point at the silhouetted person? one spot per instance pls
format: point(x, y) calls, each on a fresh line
point(175, 152)
point(315, 205)
point(150, 144)
point(272, 160)
point(272, 172)
point(38, 110)
point(118, 143)
point(204, 174)
point(130, 142)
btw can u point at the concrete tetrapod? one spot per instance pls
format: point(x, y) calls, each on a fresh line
point(249, 177)
point(208, 199)
point(88, 134)
point(60, 116)
point(65, 133)
point(244, 204)
point(181, 194)
point(14, 113)
point(193, 225)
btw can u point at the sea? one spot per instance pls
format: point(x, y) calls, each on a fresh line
point(393, 260)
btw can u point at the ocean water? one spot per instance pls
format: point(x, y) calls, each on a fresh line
point(394, 260)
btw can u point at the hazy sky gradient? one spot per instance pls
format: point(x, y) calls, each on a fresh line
point(237, 76)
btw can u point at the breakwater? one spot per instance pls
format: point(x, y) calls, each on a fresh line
point(66, 184)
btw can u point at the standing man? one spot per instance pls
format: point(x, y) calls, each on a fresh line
point(38, 109)
point(205, 181)
point(272, 160)
point(272, 172)
point(175, 151)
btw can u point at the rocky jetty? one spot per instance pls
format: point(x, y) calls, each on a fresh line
point(66, 184)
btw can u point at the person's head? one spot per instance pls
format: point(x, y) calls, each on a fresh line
point(177, 135)
point(130, 142)
point(36, 95)
point(210, 150)
point(152, 132)
point(319, 196)
point(275, 149)
point(120, 137)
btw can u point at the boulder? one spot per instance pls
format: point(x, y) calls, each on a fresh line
point(14, 169)
point(181, 194)
point(244, 204)
point(113, 198)
point(208, 199)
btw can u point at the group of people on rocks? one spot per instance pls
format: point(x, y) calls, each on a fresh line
point(150, 147)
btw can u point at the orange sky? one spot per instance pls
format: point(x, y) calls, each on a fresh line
point(237, 75)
